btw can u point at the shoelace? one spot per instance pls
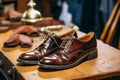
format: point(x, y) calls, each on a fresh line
point(66, 43)
point(53, 38)
point(46, 41)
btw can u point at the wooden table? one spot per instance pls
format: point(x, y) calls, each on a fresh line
point(106, 65)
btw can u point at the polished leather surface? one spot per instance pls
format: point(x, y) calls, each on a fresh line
point(50, 44)
point(71, 50)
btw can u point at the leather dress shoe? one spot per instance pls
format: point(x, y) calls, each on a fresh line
point(72, 51)
point(50, 44)
point(27, 30)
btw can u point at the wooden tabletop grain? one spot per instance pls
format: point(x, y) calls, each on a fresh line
point(106, 65)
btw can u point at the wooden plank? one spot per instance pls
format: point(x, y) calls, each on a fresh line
point(106, 65)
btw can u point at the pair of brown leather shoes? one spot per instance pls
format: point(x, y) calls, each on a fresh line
point(50, 44)
point(56, 53)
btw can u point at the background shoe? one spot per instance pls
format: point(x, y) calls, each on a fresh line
point(72, 52)
point(18, 39)
point(27, 30)
point(13, 15)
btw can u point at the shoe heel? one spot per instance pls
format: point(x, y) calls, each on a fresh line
point(92, 55)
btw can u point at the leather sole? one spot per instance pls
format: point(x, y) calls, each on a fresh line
point(27, 62)
point(88, 56)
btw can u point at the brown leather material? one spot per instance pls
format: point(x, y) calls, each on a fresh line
point(18, 39)
point(71, 51)
point(12, 41)
point(27, 30)
point(50, 44)
point(25, 41)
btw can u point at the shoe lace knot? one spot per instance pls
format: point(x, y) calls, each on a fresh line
point(66, 43)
